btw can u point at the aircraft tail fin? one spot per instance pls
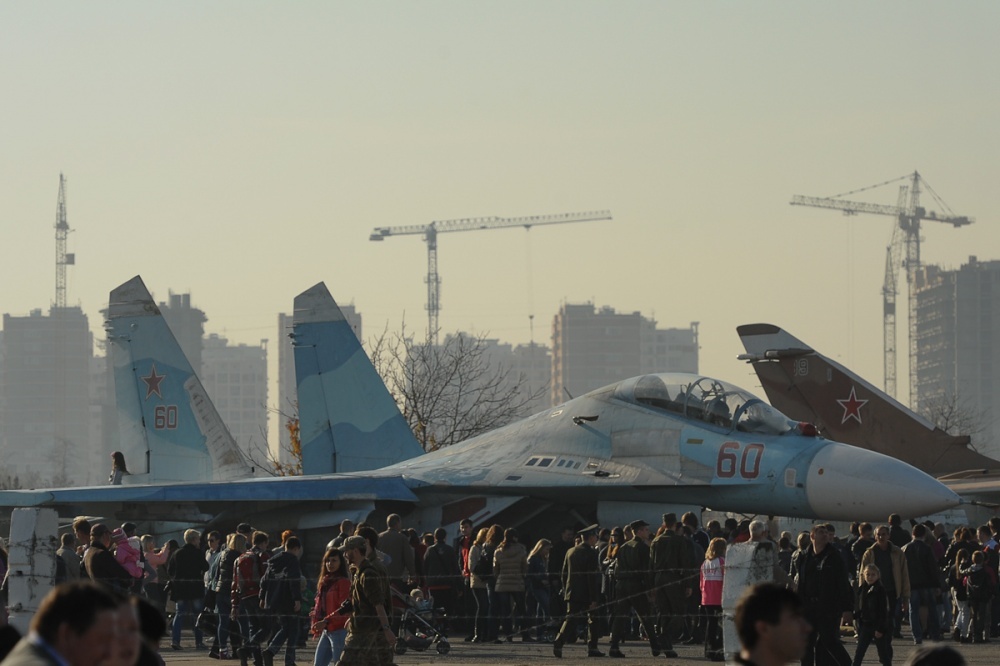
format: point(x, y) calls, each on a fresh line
point(348, 422)
point(808, 386)
point(170, 430)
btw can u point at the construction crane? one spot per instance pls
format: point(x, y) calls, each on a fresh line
point(62, 258)
point(430, 233)
point(906, 243)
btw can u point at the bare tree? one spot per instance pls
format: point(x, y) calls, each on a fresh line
point(263, 457)
point(447, 393)
point(452, 391)
point(953, 415)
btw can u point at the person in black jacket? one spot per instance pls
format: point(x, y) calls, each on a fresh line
point(925, 586)
point(187, 567)
point(101, 565)
point(281, 596)
point(828, 599)
point(872, 615)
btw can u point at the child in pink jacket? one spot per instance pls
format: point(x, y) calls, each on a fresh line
point(127, 553)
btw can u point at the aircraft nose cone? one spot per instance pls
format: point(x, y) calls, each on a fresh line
point(848, 483)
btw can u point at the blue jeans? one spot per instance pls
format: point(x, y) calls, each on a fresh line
point(924, 597)
point(510, 612)
point(185, 607)
point(288, 628)
point(542, 617)
point(254, 624)
point(329, 647)
point(223, 606)
point(482, 612)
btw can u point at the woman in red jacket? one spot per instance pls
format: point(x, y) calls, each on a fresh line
point(329, 626)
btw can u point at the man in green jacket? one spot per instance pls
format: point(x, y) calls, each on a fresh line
point(672, 563)
point(633, 588)
point(581, 583)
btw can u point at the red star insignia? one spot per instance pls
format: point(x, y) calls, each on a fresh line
point(852, 407)
point(153, 383)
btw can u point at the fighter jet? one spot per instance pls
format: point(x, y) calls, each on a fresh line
point(809, 386)
point(653, 440)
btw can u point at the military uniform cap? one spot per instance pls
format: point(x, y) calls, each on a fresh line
point(638, 524)
point(587, 531)
point(355, 543)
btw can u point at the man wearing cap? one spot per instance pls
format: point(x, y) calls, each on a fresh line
point(369, 639)
point(633, 585)
point(581, 583)
point(672, 562)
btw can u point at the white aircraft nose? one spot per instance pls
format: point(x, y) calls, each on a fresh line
point(848, 483)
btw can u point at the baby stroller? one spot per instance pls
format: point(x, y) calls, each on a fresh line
point(418, 625)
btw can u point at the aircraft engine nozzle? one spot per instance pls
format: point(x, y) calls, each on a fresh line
point(848, 483)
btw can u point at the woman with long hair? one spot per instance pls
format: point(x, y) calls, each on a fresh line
point(222, 581)
point(510, 566)
point(118, 468)
point(493, 538)
point(538, 586)
point(332, 588)
point(712, 573)
point(477, 582)
point(956, 581)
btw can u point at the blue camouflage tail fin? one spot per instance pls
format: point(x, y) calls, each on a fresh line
point(348, 421)
point(170, 430)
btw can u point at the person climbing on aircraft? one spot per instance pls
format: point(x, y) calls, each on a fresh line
point(118, 468)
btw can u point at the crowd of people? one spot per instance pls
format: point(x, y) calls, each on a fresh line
point(243, 596)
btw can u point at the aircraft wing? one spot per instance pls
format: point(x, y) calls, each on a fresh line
point(274, 490)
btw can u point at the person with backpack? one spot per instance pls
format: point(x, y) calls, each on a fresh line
point(247, 572)
point(281, 595)
point(477, 583)
point(980, 586)
point(221, 581)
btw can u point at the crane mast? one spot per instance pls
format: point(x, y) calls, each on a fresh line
point(62, 258)
point(905, 239)
point(430, 233)
point(889, 293)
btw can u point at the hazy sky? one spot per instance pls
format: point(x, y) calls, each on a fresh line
point(243, 151)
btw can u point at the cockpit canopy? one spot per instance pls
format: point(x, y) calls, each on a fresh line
point(705, 399)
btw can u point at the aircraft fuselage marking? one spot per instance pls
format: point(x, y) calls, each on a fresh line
point(852, 407)
point(153, 383)
point(749, 463)
point(165, 417)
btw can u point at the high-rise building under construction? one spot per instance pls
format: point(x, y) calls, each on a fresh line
point(958, 349)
